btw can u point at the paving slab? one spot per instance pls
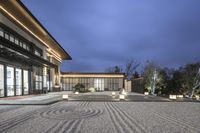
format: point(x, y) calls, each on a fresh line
point(42, 99)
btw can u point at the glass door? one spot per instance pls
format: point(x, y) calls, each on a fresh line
point(10, 81)
point(1, 81)
point(38, 80)
point(48, 79)
point(26, 85)
point(99, 84)
point(18, 73)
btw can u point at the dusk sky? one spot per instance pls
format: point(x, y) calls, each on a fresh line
point(102, 33)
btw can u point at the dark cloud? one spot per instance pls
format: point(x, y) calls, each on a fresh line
point(99, 34)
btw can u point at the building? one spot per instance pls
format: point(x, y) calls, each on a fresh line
point(30, 57)
point(138, 85)
point(128, 85)
point(99, 81)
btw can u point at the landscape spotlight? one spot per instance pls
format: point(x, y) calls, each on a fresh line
point(113, 93)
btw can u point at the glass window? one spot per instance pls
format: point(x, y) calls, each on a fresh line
point(38, 79)
point(37, 53)
point(16, 41)
point(26, 85)
point(24, 45)
point(11, 38)
point(10, 81)
point(18, 78)
point(1, 81)
point(20, 44)
point(1, 32)
point(7, 36)
point(28, 48)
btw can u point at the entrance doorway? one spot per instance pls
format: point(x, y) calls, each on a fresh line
point(10, 81)
point(18, 80)
point(99, 84)
point(1, 81)
point(26, 82)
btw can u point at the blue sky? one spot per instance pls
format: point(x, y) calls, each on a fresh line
point(102, 33)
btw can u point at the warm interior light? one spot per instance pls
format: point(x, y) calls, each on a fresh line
point(92, 76)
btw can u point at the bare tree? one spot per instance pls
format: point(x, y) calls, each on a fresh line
point(130, 68)
point(151, 75)
point(196, 83)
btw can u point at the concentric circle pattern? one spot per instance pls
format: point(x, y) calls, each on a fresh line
point(70, 113)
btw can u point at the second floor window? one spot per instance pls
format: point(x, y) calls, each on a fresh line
point(37, 53)
point(1, 32)
point(11, 38)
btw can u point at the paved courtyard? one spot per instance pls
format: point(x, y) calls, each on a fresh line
point(101, 117)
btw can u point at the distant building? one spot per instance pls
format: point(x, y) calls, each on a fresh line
point(138, 85)
point(128, 85)
point(99, 81)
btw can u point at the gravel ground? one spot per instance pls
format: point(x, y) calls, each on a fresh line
point(102, 117)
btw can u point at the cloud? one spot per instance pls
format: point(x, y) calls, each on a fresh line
point(100, 34)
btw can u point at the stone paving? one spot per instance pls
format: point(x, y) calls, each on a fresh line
point(107, 96)
point(101, 117)
point(42, 99)
point(46, 99)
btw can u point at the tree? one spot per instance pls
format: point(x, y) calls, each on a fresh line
point(115, 69)
point(196, 84)
point(130, 68)
point(190, 78)
point(165, 76)
point(168, 81)
point(184, 79)
point(151, 75)
point(135, 75)
point(79, 87)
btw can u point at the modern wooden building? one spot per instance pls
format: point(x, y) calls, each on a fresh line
point(99, 81)
point(30, 57)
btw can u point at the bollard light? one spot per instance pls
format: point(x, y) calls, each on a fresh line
point(180, 96)
point(121, 97)
point(76, 92)
point(173, 97)
point(124, 92)
point(146, 93)
point(65, 97)
point(113, 93)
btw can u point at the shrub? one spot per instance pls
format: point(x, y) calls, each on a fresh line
point(80, 88)
point(146, 90)
point(92, 89)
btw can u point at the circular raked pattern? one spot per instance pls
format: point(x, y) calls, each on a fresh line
point(70, 113)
